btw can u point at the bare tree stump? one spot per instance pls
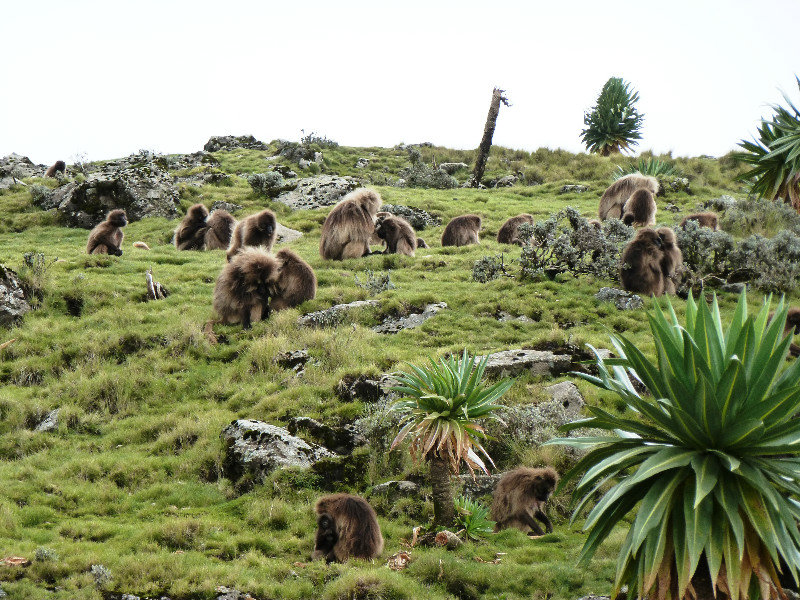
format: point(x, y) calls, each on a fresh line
point(155, 291)
point(488, 132)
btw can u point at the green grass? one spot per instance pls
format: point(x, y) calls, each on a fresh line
point(131, 478)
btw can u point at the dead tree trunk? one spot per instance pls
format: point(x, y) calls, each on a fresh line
point(488, 132)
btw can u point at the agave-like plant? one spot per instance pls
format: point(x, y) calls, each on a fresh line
point(709, 460)
point(473, 518)
point(613, 124)
point(647, 166)
point(775, 156)
point(441, 404)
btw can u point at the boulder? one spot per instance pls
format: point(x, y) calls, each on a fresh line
point(365, 388)
point(49, 423)
point(622, 299)
point(15, 166)
point(453, 167)
point(13, 304)
point(504, 317)
point(509, 363)
point(316, 192)
point(567, 395)
point(293, 359)
point(395, 325)
point(229, 142)
point(287, 235)
point(734, 288)
point(418, 218)
point(507, 181)
point(229, 206)
point(573, 189)
point(396, 489)
point(480, 485)
point(362, 163)
point(341, 439)
point(176, 162)
point(334, 315)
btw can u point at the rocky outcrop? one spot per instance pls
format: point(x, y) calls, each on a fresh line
point(366, 389)
point(176, 162)
point(453, 167)
point(481, 485)
point(229, 206)
point(507, 181)
point(395, 325)
point(573, 189)
point(509, 363)
point(341, 439)
point(334, 315)
point(622, 299)
point(49, 423)
point(13, 304)
point(568, 396)
point(396, 489)
point(418, 218)
point(19, 167)
point(316, 192)
point(229, 142)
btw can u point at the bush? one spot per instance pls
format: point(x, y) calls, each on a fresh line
point(648, 166)
point(268, 184)
point(423, 175)
point(759, 215)
point(313, 138)
point(489, 268)
point(40, 194)
point(473, 518)
point(375, 283)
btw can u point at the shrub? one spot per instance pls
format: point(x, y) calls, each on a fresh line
point(489, 268)
point(375, 283)
point(648, 166)
point(746, 216)
point(473, 518)
point(40, 194)
point(422, 175)
point(313, 138)
point(613, 124)
point(268, 184)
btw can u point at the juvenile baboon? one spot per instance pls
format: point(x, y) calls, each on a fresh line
point(58, 167)
point(617, 193)
point(348, 228)
point(461, 231)
point(191, 231)
point(295, 282)
point(595, 223)
point(672, 258)
point(355, 529)
point(241, 294)
point(509, 232)
point(380, 216)
point(704, 219)
point(422, 243)
point(259, 229)
point(220, 228)
point(791, 328)
point(519, 499)
point(398, 235)
point(106, 238)
point(640, 209)
point(641, 269)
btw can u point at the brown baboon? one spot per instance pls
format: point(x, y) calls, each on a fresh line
point(617, 193)
point(354, 531)
point(704, 219)
point(58, 167)
point(520, 497)
point(380, 216)
point(640, 209)
point(672, 260)
point(191, 231)
point(259, 229)
point(295, 282)
point(461, 231)
point(641, 269)
point(398, 235)
point(595, 223)
point(791, 328)
point(106, 238)
point(241, 294)
point(422, 243)
point(220, 228)
point(509, 232)
point(348, 228)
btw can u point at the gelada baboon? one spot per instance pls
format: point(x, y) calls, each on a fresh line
point(617, 193)
point(641, 269)
point(295, 282)
point(791, 328)
point(703, 219)
point(220, 228)
point(640, 209)
point(520, 497)
point(259, 229)
point(595, 223)
point(348, 228)
point(671, 260)
point(191, 231)
point(422, 243)
point(347, 528)
point(380, 216)
point(398, 235)
point(509, 232)
point(58, 167)
point(106, 238)
point(462, 231)
point(241, 294)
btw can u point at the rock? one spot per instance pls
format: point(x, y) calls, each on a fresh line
point(293, 359)
point(481, 485)
point(594, 597)
point(623, 300)
point(13, 304)
point(177, 162)
point(509, 363)
point(283, 170)
point(362, 163)
point(287, 235)
point(573, 189)
point(567, 395)
point(3, 594)
point(15, 166)
point(258, 448)
point(506, 181)
point(227, 593)
point(417, 218)
point(401, 183)
point(720, 204)
point(129, 597)
point(341, 440)
point(395, 325)
point(203, 178)
point(504, 317)
point(670, 183)
point(344, 471)
point(319, 191)
point(734, 288)
point(364, 388)
point(531, 425)
point(672, 208)
point(396, 489)
point(229, 142)
point(334, 315)
point(50, 422)
point(229, 206)
point(453, 167)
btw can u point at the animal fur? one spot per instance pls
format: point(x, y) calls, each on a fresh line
point(422, 243)
point(641, 271)
point(617, 194)
point(348, 228)
point(703, 219)
point(398, 235)
point(259, 229)
point(357, 533)
point(509, 232)
point(380, 216)
point(640, 209)
point(58, 167)
point(461, 231)
point(241, 294)
point(106, 238)
point(326, 536)
point(190, 233)
point(672, 258)
point(520, 497)
point(220, 225)
point(295, 282)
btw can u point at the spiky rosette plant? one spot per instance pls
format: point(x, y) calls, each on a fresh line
point(441, 404)
point(708, 460)
point(613, 124)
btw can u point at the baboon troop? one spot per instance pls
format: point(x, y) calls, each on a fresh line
point(462, 231)
point(509, 232)
point(295, 282)
point(398, 234)
point(703, 219)
point(640, 209)
point(347, 527)
point(259, 229)
point(241, 294)
point(58, 167)
point(348, 228)
point(650, 262)
point(615, 196)
point(106, 238)
point(520, 497)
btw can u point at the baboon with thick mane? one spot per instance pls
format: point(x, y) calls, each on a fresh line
point(792, 328)
point(355, 532)
point(58, 167)
point(641, 269)
point(348, 228)
point(191, 231)
point(509, 231)
point(259, 229)
point(461, 231)
point(220, 229)
point(398, 234)
point(617, 194)
point(640, 209)
point(520, 497)
point(106, 238)
point(703, 219)
point(241, 294)
point(672, 258)
point(295, 282)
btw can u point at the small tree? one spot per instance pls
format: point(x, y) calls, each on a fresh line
point(441, 404)
point(613, 124)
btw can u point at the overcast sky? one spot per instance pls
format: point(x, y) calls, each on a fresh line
point(108, 78)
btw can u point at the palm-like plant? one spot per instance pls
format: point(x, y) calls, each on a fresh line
point(710, 457)
point(775, 156)
point(613, 124)
point(441, 404)
point(647, 166)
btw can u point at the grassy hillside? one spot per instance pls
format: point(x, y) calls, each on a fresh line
point(131, 480)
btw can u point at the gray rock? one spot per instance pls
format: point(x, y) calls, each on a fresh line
point(481, 485)
point(573, 189)
point(50, 421)
point(15, 166)
point(507, 181)
point(285, 171)
point(227, 593)
point(3, 594)
point(259, 448)
point(419, 219)
point(341, 439)
point(509, 363)
point(672, 208)
point(229, 142)
point(453, 167)
point(365, 388)
point(7, 182)
point(229, 206)
point(622, 299)
point(734, 288)
point(531, 424)
point(504, 317)
point(287, 235)
point(595, 597)
point(334, 315)
point(413, 320)
point(13, 304)
point(175, 162)
point(720, 204)
point(362, 163)
point(293, 359)
point(401, 183)
point(567, 395)
point(129, 597)
point(318, 158)
point(396, 489)
point(204, 178)
point(315, 192)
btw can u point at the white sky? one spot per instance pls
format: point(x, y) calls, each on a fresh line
point(108, 78)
